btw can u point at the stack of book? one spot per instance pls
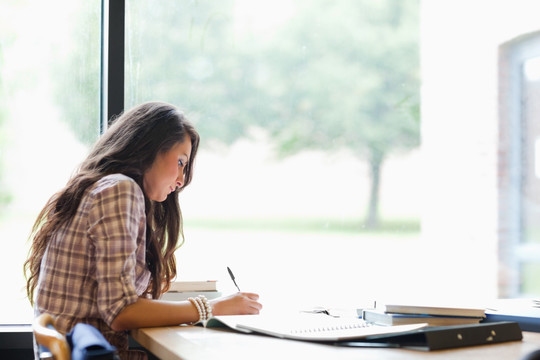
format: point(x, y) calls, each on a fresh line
point(402, 314)
point(182, 290)
point(526, 312)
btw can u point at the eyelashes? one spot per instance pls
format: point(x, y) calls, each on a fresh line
point(183, 165)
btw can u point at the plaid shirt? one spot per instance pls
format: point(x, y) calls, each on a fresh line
point(95, 266)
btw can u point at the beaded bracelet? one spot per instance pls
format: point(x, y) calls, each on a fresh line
point(207, 306)
point(204, 316)
point(203, 308)
point(197, 306)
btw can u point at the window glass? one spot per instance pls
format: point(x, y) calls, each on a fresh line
point(309, 117)
point(349, 149)
point(49, 107)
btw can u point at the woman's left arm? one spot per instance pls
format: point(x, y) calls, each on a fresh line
point(151, 313)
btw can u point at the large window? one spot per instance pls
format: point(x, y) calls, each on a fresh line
point(49, 114)
point(306, 111)
point(349, 149)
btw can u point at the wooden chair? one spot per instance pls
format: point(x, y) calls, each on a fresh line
point(46, 335)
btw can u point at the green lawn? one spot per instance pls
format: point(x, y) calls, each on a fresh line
point(306, 225)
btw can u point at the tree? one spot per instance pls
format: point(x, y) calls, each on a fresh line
point(338, 74)
point(352, 73)
point(335, 74)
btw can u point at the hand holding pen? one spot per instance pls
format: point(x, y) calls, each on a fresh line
point(241, 303)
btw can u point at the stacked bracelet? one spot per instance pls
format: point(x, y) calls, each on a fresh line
point(207, 306)
point(203, 307)
point(197, 306)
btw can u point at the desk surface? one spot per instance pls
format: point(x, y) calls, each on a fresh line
point(194, 342)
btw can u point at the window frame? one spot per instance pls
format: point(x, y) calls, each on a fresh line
point(513, 252)
point(113, 16)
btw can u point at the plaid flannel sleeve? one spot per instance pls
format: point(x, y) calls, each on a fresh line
point(116, 228)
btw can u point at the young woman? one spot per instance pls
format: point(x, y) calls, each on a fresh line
point(103, 247)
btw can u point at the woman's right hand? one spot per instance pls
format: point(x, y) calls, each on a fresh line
point(241, 303)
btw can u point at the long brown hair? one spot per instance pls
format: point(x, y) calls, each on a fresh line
point(129, 147)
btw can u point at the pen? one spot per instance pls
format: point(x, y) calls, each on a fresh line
point(232, 277)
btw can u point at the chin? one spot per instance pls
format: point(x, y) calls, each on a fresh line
point(159, 199)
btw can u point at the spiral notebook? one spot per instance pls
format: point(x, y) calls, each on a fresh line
point(304, 326)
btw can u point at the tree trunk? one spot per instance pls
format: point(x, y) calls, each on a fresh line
point(375, 163)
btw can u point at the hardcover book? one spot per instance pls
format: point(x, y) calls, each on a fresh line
point(382, 318)
point(193, 286)
point(429, 309)
point(526, 312)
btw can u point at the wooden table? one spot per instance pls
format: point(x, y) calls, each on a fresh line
point(194, 342)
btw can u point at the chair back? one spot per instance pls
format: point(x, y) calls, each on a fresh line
point(47, 336)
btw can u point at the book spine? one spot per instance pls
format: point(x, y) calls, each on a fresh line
point(184, 295)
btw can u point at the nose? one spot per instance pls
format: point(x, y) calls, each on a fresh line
point(180, 179)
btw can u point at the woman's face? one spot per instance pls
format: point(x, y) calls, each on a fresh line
point(167, 171)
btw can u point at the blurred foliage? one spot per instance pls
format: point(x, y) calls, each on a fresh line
point(77, 72)
point(5, 194)
point(337, 74)
point(328, 75)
